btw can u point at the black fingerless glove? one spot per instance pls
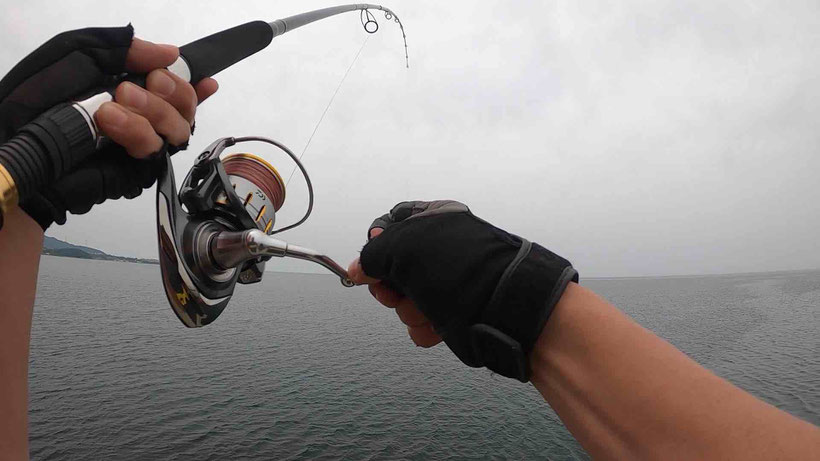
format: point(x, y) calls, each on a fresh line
point(68, 67)
point(107, 175)
point(487, 292)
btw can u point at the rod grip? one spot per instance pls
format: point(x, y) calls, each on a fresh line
point(42, 151)
point(210, 55)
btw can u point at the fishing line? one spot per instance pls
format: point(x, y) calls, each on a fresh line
point(316, 128)
point(65, 135)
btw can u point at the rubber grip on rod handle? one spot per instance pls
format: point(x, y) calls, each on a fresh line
point(44, 149)
point(212, 54)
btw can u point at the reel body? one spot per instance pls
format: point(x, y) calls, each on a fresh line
point(215, 232)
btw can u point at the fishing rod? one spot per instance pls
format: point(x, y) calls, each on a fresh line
point(65, 135)
point(216, 230)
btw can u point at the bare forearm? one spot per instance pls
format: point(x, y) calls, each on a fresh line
point(21, 241)
point(625, 393)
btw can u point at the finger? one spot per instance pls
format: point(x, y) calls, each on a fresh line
point(163, 116)
point(385, 295)
point(132, 131)
point(144, 56)
point(175, 91)
point(382, 222)
point(424, 336)
point(357, 275)
point(376, 255)
point(409, 314)
point(205, 88)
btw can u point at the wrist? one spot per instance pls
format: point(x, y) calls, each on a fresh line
point(522, 303)
point(548, 344)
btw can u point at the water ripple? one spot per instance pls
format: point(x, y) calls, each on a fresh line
point(300, 368)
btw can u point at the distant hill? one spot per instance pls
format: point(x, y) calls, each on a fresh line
point(56, 244)
point(57, 247)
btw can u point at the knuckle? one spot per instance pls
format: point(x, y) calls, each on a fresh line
point(173, 121)
point(183, 96)
point(189, 92)
point(421, 337)
point(160, 112)
point(179, 134)
point(410, 317)
point(134, 97)
point(186, 95)
point(163, 124)
point(166, 120)
point(119, 91)
point(123, 87)
point(382, 296)
point(141, 128)
point(143, 138)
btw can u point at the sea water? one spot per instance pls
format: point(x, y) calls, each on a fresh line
point(299, 367)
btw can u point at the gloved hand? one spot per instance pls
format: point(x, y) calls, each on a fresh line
point(142, 122)
point(486, 293)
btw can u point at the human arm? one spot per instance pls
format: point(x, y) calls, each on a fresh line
point(135, 121)
point(623, 392)
point(21, 241)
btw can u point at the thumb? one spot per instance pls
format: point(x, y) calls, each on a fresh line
point(375, 258)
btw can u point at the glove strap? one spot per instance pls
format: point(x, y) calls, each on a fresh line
point(523, 300)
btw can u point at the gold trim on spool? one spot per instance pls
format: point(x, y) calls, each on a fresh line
point(261, 213)
point(265, 163)
point(8, 190)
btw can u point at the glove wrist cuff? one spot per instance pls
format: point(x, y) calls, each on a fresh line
point(520, 306)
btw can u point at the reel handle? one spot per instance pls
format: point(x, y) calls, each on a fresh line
point(231, 249)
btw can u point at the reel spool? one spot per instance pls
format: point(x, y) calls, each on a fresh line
point(258, 184)
point(216, 231)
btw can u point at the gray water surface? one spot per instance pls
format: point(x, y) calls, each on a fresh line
point(299, 367)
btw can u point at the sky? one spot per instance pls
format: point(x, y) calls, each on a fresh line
point(633, 138)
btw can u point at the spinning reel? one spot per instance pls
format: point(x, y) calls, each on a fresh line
point(216, 231)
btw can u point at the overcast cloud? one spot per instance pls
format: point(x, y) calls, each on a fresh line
point(636, 138)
